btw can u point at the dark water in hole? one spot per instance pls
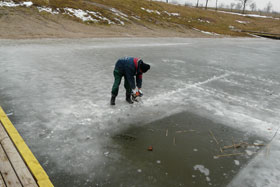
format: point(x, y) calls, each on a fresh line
point(183, 153)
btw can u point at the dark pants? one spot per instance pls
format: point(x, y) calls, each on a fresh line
point(118, 78)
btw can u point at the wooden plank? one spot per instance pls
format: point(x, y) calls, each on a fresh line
point(7, 170)
point(2, 183)
point(18, 164)
point(36, 169)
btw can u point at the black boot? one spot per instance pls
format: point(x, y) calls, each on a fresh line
point(113, 98)
point(128, 98)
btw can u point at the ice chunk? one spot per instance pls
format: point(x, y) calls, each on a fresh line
point(237, 162)
point(202, 169)
point(106, 153)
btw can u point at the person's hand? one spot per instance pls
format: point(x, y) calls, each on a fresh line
point(134, 95)
point(140, 93)
point(133, 92)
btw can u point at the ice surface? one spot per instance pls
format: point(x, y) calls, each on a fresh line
point(58, 93)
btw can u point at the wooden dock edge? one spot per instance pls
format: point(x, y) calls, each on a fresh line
point(32, 163)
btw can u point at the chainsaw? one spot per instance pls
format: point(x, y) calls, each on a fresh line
point(137, 97)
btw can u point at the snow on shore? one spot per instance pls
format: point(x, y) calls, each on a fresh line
point(205, 32)
point(84, 15)
point(249, 15)
point(13, 4)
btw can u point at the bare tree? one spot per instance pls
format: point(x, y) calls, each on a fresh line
point(244, 4)
point(166, 1)
point(260, 12)
point(232, 5)
point(175, 2)
point(197, 3)
point(188, 4)
point(206, 4)
point(216, 5)
point(238, 6)
point(253, 6)
point(268, 7)
point(222, 5)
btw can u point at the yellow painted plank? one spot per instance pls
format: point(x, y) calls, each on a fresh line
point(30, 160)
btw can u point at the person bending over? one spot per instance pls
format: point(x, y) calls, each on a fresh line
point(129, 67)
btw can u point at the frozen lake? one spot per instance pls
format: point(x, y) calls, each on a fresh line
point(57, 92)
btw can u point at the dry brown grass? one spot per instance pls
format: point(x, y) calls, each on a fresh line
point(206, 20)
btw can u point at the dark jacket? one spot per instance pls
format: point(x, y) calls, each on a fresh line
point(130, 67)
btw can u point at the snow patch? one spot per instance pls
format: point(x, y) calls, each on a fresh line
point(171, 14)
point(236, 162)
point(8, 4)
point(249, 152)
point(203, 21)
point(118, 20)
point(100, 17)
point(157, 12)
point(87, 15)
point(27, 3)
point(119, 14)
point(205, 32)
point(242, 22)
point(81, 14)
point(49, 10)
point(202, 169)
point(151, 11)
point(84, 15)
point(136, 17)
point(13, 4)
